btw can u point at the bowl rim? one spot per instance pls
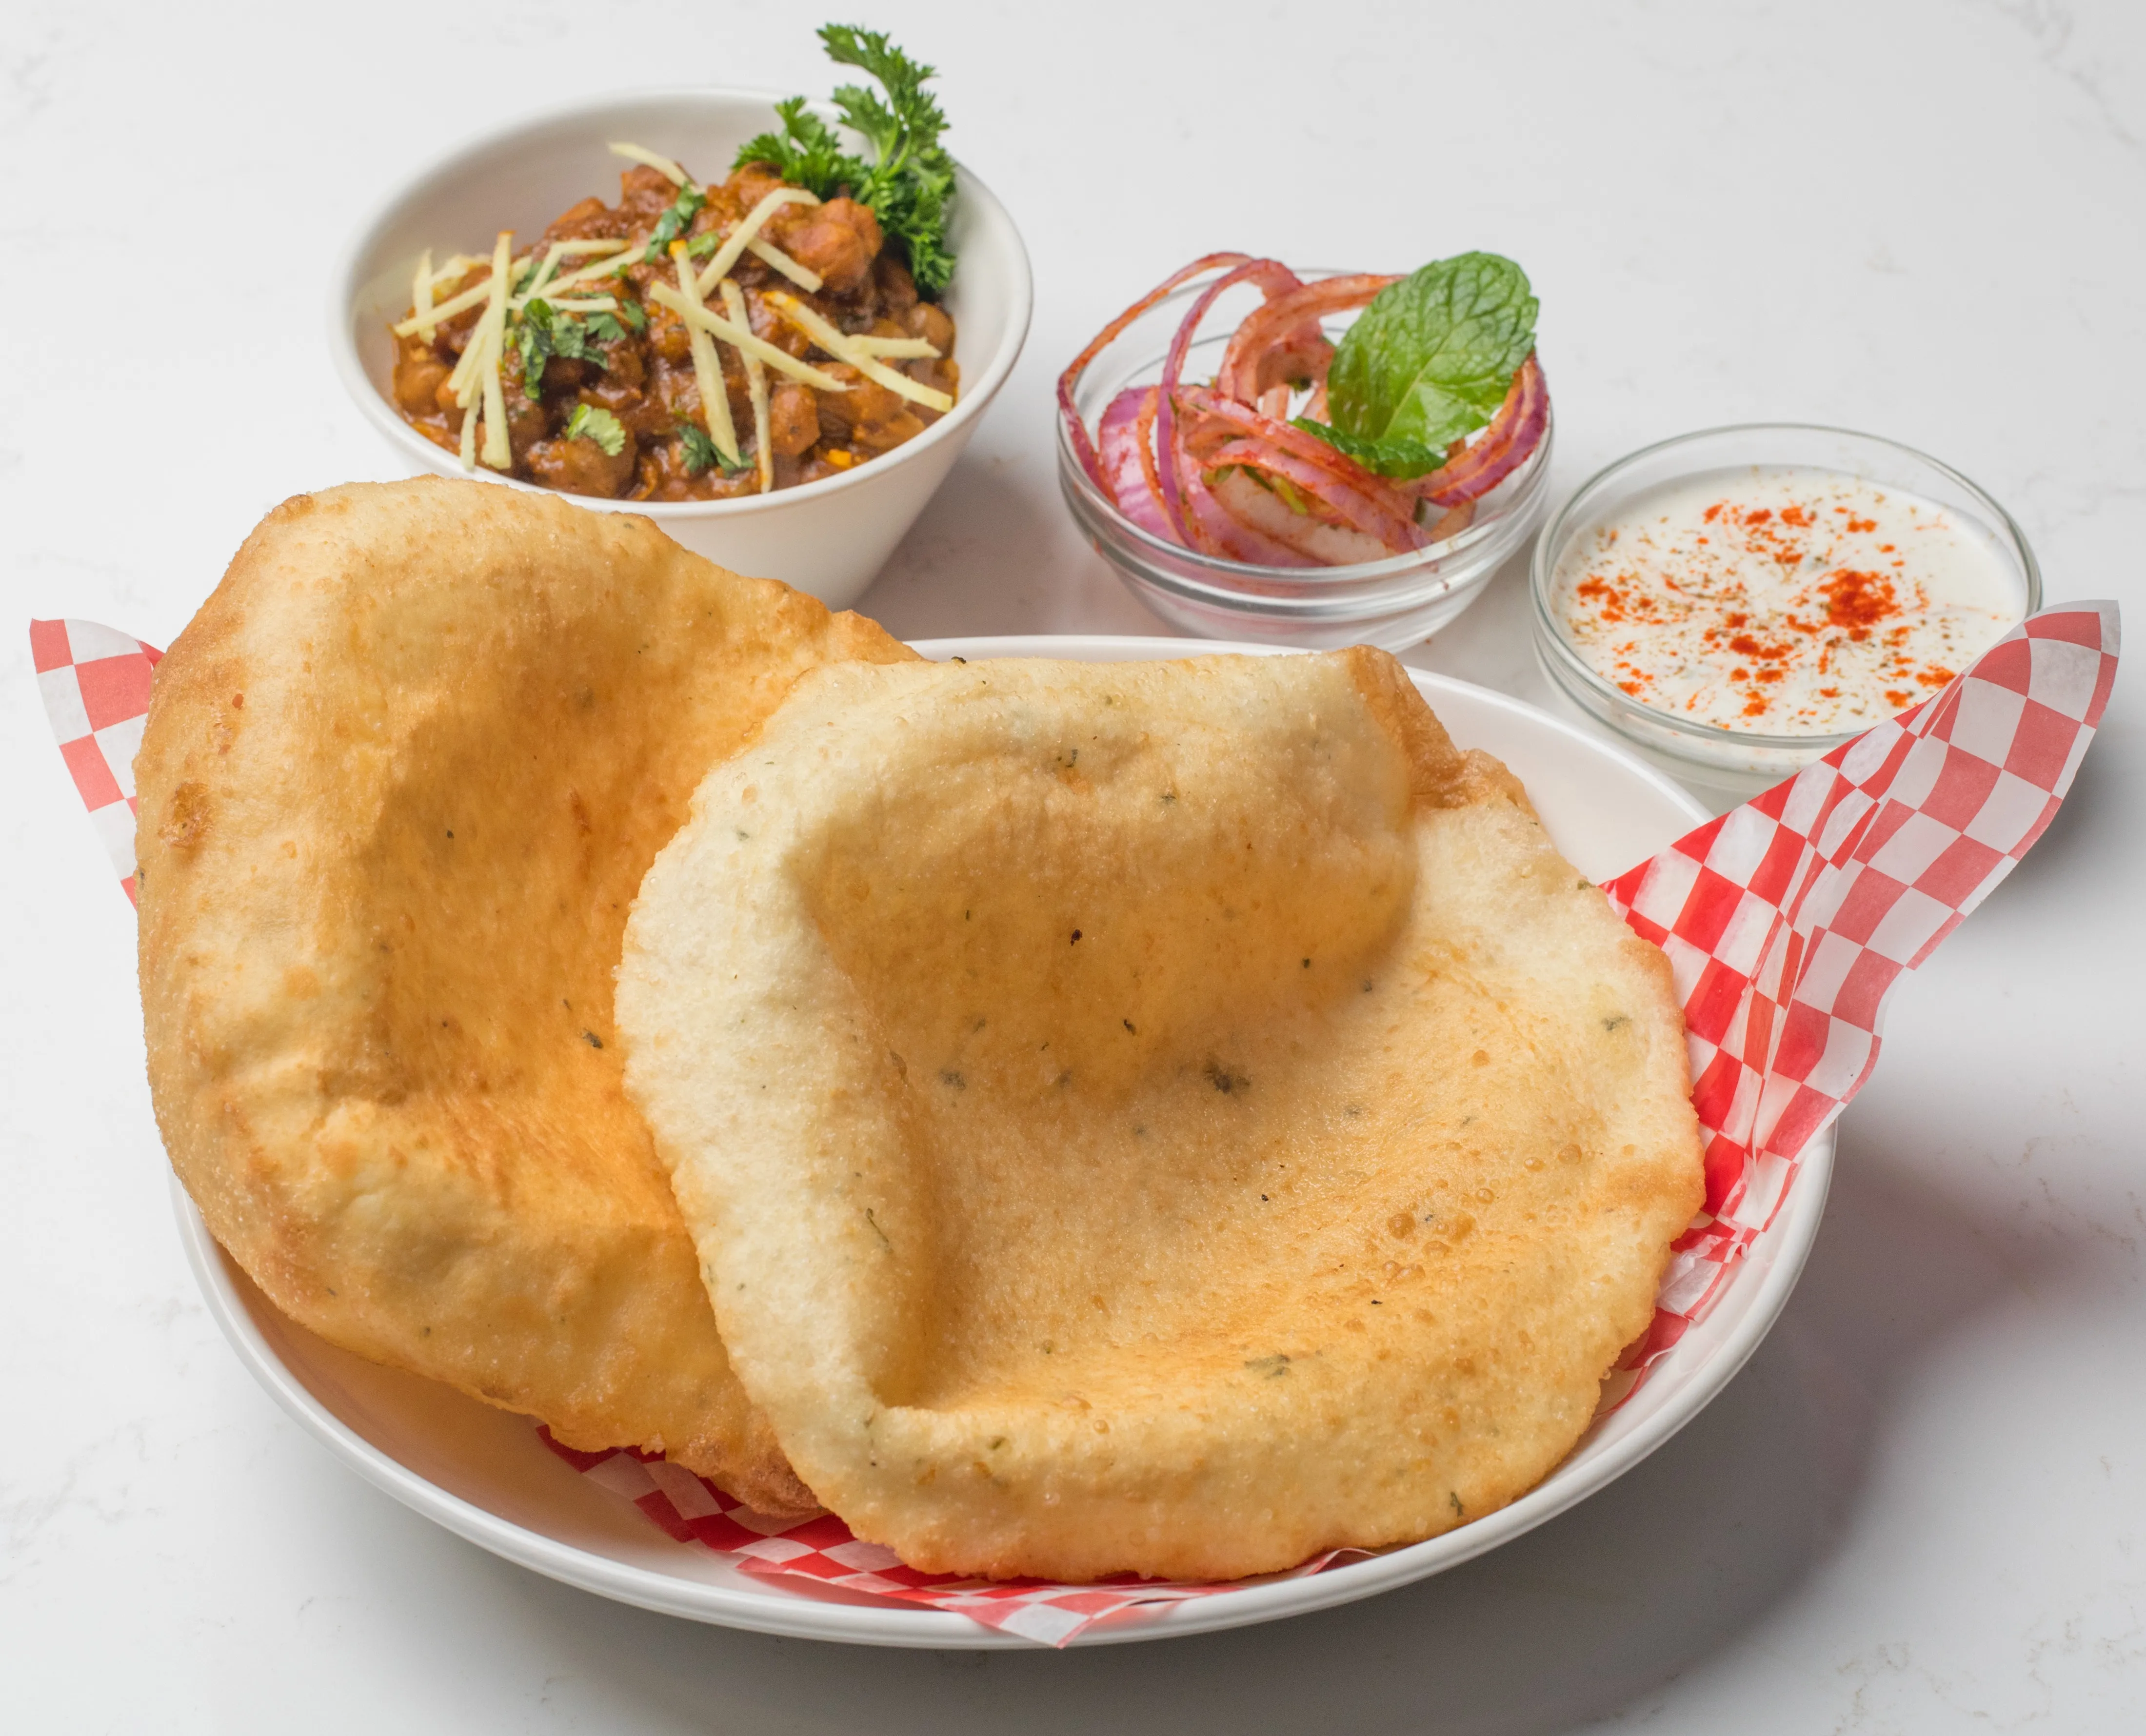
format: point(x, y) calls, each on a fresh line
point(1562, 658)
point(1144, 544)
point(350, 369)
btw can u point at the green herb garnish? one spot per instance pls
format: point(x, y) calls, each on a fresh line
point(544, 333)
point(674, 223)
point(532, 338)
point(588, 422)
point(909, 182)
point(701, 453)
point(1401, 459)
point(805, 152)
point(1428, 361)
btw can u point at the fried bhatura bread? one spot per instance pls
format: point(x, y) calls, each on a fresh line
point(401, 778)
point(1169, 1117)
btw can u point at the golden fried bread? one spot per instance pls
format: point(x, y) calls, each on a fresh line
point(401, 778)
point(1163, 1117)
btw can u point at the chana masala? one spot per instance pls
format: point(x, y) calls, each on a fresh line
point(688, 343)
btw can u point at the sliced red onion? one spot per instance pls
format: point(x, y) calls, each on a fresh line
point(1273, 278)
point(1241, 493)
point(1278, 341)
point(1132, 478)
point(1083, 448)
point(1382, 496)
point(1160, 444)
point(1348, 505)
point(1223, 533)
point(1515, 433)
point(1144, 437)
point(1127, 464)
point(1451, 522)
point(1210, 528)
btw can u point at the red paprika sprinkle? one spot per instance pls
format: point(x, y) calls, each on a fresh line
point(1767, 599)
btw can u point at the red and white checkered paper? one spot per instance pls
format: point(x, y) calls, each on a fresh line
point(1786, 923)
point(95, 684)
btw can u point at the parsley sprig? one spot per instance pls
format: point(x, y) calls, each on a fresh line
point(908, 184)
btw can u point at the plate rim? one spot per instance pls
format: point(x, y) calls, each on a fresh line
point(911, 1626)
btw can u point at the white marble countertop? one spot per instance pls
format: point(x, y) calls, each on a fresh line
point(1921, 1508)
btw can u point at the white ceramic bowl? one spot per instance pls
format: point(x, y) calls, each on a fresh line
point(484, 1475)
point(828, 537)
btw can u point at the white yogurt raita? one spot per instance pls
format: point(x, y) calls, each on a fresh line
point(1784, 601)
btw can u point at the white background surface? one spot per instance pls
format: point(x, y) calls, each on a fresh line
point(1922, 1508)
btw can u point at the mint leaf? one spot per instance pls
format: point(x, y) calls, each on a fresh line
point(1400, 459)
point(587, 422)
point(1431, 358)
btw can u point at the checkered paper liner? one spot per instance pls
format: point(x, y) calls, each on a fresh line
point(96, 685)
point(1786, 923)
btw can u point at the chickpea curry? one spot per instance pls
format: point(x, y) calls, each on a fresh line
point(688, 343)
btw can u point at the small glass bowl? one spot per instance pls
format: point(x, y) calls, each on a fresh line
point(1392, 604)
point(1738, 761)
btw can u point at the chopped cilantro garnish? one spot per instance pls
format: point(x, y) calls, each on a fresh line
point(604, 328)
point(544, 333)
point(570, 338)
point(532, 338)
point(633, 316)
point(909, 182)
point(674, 223)
point(588, 422)
point(703, 244)
point(701, 453)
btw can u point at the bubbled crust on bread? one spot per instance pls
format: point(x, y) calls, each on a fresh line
point(400, 779)
point(1193, 1116)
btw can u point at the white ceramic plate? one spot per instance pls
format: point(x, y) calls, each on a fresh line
point(483, 1474)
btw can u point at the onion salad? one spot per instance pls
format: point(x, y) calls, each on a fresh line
point(1306, 451)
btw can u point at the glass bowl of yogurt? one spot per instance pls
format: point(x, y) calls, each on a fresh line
point(1740, 602)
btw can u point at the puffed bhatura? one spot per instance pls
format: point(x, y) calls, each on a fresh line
point(1171, 1118)
point(401, 778)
